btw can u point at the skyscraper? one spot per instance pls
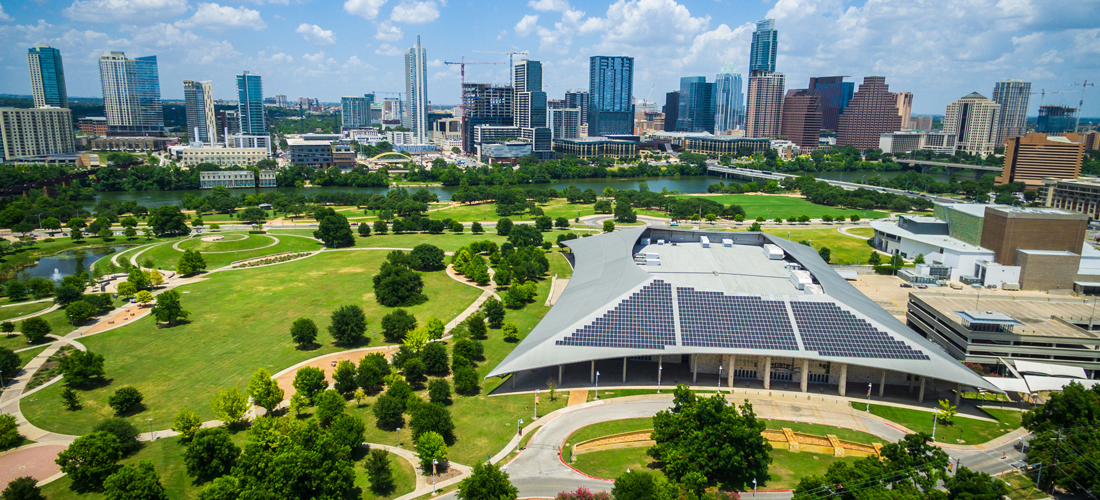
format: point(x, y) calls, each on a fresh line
point(671, 110)
point(355, 111)
point(578, 98)
point(1056, 119)
point(528, 76)
point(35, 132)
point(974, 120)
point(1014, 97)
point(611, 95)
point(199, 103)
point(835, 94)
point(47, 77)
point(765, 104)
point(485, 104)
point(565, 123)
point(250, 104)
point(904, 102)
point(131, 95)
point(802, 118)
point(530, 99)
point(873, 111)
point(729, 100)
point(416, 91)
point(765, 44)
point(696, 105)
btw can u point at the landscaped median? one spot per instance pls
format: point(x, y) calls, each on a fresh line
point(963, 430)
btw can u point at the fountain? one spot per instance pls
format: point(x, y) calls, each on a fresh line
point(56, 276)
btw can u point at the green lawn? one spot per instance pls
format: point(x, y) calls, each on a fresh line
point(635, 424)
point(233, 242)
point(404, 479)
point(825, 430)
point(772, 206)
point(845, 249)
point(240, 322)
point(449, 242)
point(865, 232)
point(1022, 487)
point(968, 430)
point(608, 428)
point(16, 311)
point(486, 212)
point(165, 257)
point(26, 356)
point(17, 341)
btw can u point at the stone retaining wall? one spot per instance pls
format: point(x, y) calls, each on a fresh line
point(784, 439)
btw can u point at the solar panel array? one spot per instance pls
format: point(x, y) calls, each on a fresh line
point(642, 321)
point(832, 331)
point(714, 319)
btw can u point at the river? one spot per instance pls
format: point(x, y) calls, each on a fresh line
point(684, 184)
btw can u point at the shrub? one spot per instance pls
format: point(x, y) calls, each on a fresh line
point(22, 488)
point(511, 332)
point(125, 400)
point(9, 432)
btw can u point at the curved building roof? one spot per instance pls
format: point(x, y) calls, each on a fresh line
point(719, 300)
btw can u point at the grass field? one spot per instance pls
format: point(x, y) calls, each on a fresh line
point(772, 206)
point(240, 322)
point(404, 479)
point(963, 431)
point(165, 257)
point(237, 242)
point(17, 341)
point(486, 212)
point(865, 232)
point(18, 310)
point(845, 249)
point(449, 242)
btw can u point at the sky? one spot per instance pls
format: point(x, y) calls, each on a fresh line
point(939, 50)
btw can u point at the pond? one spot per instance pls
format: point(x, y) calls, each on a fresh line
point(67, 263)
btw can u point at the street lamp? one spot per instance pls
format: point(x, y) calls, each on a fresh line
point(935, 418)
point(868, 397)
point(754, 487)
point(434, 463)
point(536, 416)
point(659, 369)
point(519, 429)
point(597, 385)
point(719, 379)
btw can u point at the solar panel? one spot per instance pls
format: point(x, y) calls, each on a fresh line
point(714, 319)
point(642, 321)
point(832, 331)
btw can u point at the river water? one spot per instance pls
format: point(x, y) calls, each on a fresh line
point(685, 184)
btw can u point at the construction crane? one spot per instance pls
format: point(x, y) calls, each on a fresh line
point(1043, 94)
point(462, 67)
point(511, 65)
point(398, 94)
point(1081, 103)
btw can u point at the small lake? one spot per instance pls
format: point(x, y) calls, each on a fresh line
point(67, 263)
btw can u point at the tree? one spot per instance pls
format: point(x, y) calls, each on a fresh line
point(90, 458)
point(476, 228)
point(190, 263)
point(187, 423)
point(825, 253)
point(431, 447)
point(9, 327)
point(494, 311)
point(229, 405)
point(344, 377)
point(369, 375)
point(67, 294)
point(511, 332)
point(126, 432)
point(80, 367)
point(504, 226)
point(414, 371)
point(396, 285)
point(469, 349)
point(543, 223)
point(640, 485)
point(303, 331)
point(348, 324)
point(347, 430)
point(435, 328)
point(138, 278)
point(22, 488)
point(624, 212)
point(80, 312)
point(298, 403)
point(378, 470)
point(125, 399)
point(126, 289)
point(919, 259)
point(210, 454)
point(222, 488)
point(439, 391)
point(396, 324)
point(913, 465)
point(51, 224)
point(389, 412)
point(35, 329)
point(874, 259)
point(434, 356)
point(466, 381)
point(330, 404)
point(335, 231)
point(252, 215)
point(167, 220)
point(380, 227)
point(364, 229)
point(608, 226)
point(685, 441)
point(168, 308)
point(947, 412)
point(264, 391)
point(561, 222)
point(144, 297)
point(524, 235)
point(487, 481)
point(969, 485)
point(475, 323)
point(76, 225)
point(427, 257)
point(138, 481)
point(309, 382)
point(9, 432)
point(289, 458)
point(155, 278)
point(70, 399)
point(432, 417)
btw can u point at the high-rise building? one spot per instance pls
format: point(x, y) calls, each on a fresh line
point(764, 113)
point(485, 104)
point(565, 123)
point(202, 125)
point(280, 100)
point(905, 107)
point(1056, 119)
point(671, 110)
point(528, 76)
point(47, 77)
point(1014, 97)
point(802, 118)
point(729, 101)
point(355, 111)
point(765, 44)
point(920, 123)
point(416, 90)
point(26, 133)
point(250, 104)
point(131, 95)
point(835, 94)
point(611, 95)
point(1032, 157)
point(229, 123)
point(873, 111)
point(974, 120)
point(530, 99)
point(555, 104)
point(578, 98)
point(696, 105)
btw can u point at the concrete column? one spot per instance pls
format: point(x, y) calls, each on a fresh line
point(560, 368)
point(805, 375)
point(513, 380)
point(958, 393)
point(911, 383)
point(729, 370)
point(920, 398)
point(843, 386)
point(882, 384)
point(694, 368)
point(624, 369)
point(767, 372)
point(592, 374)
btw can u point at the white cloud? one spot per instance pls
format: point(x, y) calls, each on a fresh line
point(315, 34)
point(364, 8)
point(502, 34)
point(314, 58)
point(414, 12)
point(526, 25)
point(4, 17)
point(216, 17)
point(103, 11)
point(388, 50)
point(388, 32)
point(549, 5)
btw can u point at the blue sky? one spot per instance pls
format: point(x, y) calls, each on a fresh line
point(938, 49)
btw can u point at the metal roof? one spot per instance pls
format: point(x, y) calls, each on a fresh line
point(988, 317)
point(606, 275)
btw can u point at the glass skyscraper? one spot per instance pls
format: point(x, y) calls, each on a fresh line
point(131, 94)
point(416, 91)
point(729, 100)
point(250, 104)
point(1014, 96)
point(835, 94)
point(198, 100)
point(611, 95)
point(765, 44)
point(47, 77)
point(696, 104)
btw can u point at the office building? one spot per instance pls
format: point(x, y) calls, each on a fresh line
point(485, 104)
point(905, 107)
point(555, 104)
point(416, 91)
point(1056, 119)
point(280, 101)
point(974, 120)
point(920, 123)
point(229, 123)
point(250, 104)
point(1013, 96)
point(907, 141)
point(835, 94)
point(671, 110)
point(765, 46)
point(801, 122)
point(565, 123)
point(47, 77)
point(716, 145)
point(355, 111)
point(236, 179)
point(225, 157)
point(578, 98)
point(1036, 156)
point(1081, 194)
point(872, 112)
point(309, 153)
point(92, 125)
point(530, 99)
point(764, 113)
point(527, 76)
point(729, 101)
point(589, 148)
point(130, 143)
point(202, 124)
point(131, 95)
point(37, 132)
point(696, 112)
point(611, 95)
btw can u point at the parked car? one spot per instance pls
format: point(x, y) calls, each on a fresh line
point(906, 285)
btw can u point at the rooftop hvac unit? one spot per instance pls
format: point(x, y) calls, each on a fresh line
point(705, 241)
point(645, 241)
point(813, 289)
point(660, 242)
point(773, 252)
point(653, 262)
point(726, 242)
point(800, 279)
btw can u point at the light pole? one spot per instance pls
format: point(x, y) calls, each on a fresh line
point(868, 397)
point(398, 437)
point(659, 369)
point(434, 462)
point(719, 379)
point(754, 487)
point(597, 385)
point(519, 429)
point(935, 418)
point(536, 416)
